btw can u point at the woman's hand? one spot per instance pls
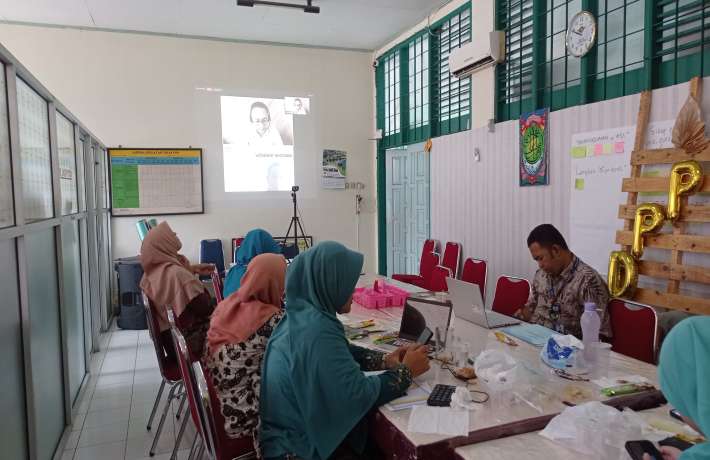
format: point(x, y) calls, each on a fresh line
point(417, 360)
point(396, 357)
point(202, 269)
point(668, 453)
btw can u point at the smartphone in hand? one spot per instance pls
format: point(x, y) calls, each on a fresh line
point(425, 336)
point(637, 448)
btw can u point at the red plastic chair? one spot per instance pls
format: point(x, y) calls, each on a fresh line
point(511, 294)
point(451, 258)
point(169, 371)
point(209, 428)
point(635, 329)
point(428, 247)
point(437, 279)
point(475, 271)
point(217, 285)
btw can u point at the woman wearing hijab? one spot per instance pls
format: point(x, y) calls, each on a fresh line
point(240, 327)
point(684, 373)
point(169, 280)
point(256, 242)
point(314, 394)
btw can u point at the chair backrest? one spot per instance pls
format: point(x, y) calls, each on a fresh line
point(154, 331)
point(429, 261)
point(511, 294)
point(183, 356)
point(217, 285)
point(634, 327)
point(475, 271)
point(236, 242)
point(428, 246)
point(451, 258)
point(211, 253)
point(437, 279)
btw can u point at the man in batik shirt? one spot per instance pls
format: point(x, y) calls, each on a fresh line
point(562, 285)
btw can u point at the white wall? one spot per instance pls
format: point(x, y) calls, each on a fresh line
point(140, 90)
point(481, 205)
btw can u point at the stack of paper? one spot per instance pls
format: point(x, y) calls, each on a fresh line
point(416, 396)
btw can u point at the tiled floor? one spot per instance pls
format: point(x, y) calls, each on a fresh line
point(112, 413)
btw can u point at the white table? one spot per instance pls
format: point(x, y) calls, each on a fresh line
point(546, 390)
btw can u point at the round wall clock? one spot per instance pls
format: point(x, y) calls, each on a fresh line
point(581, 33)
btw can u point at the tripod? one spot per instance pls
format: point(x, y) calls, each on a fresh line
point(296, 226)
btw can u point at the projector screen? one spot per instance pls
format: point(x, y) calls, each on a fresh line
point(258, 143)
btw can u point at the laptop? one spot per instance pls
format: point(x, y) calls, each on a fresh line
point(421, 311)
point(468, 305)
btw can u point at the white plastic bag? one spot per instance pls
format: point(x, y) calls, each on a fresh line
point(595, 429)
point(496, 368)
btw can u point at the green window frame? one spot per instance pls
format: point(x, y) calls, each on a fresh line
point(417, 99)
point(641, 44)
point(453, 95)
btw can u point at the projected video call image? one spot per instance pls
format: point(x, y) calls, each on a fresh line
point(257, 144)
point(297, 105)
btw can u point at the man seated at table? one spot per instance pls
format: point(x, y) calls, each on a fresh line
point(562, 284)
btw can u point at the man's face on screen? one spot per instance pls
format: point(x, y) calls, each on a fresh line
point(261, 120)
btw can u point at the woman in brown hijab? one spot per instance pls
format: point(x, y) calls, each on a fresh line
point(169, 280)
point(239, 331)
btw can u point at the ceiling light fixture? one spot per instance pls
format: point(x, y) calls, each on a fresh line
point(308, 7)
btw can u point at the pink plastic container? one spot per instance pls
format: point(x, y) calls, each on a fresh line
point(381, 295)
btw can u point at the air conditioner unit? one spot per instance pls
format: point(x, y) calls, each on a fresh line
point(477, 55)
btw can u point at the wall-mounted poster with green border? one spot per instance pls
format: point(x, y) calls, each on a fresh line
point(534, 148)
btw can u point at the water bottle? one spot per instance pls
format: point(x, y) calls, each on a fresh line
point(590, 323)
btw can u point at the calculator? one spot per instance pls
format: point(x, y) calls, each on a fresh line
point(441, 395)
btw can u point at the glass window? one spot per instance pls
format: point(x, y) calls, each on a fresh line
point(392, 109)
point(33, 117)
point(81, 177)
point(7, 209)
point(67, 165)
point(419, 82)
point(516, 72)
point(454, 93)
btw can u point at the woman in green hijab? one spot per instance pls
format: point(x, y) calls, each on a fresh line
point(684, 373)
point(314, 394)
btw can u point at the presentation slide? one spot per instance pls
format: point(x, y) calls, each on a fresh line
point(258, 142)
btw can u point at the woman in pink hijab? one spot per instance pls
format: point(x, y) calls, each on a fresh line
point(169, 280)
point(240, 328)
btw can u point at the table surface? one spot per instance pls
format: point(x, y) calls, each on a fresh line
point(544, 394)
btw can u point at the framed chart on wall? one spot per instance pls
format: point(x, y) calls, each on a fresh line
point(155, 181)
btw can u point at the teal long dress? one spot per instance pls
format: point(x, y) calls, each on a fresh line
point(313, 391)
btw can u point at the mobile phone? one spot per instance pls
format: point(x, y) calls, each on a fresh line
point(676, 415)
point(675, 442)
point(425, 336)
point(637, 448)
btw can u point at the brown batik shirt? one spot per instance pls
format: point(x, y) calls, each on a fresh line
point(557, 302)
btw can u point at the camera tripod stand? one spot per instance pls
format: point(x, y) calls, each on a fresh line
point(296, 227)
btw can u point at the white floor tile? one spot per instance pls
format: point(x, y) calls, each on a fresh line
point(108, 379)
point(137, 427)
point(140, 446)
point(121, 390)
point(107, 417)
point(113, 451)
point(103, 434)
point(110, 402)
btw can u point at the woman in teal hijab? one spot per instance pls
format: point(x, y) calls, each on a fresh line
point(314, 393)
point(256, 242)
point(684, 375)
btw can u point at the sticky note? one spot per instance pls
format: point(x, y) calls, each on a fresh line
point(608, 148)
point(590, 150)
point(579, 183)
point(598, 149)
point(619, 147)
point(579, 152)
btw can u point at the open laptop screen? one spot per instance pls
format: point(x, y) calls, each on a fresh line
point(421, 313)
